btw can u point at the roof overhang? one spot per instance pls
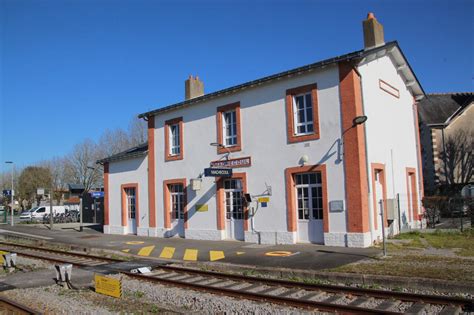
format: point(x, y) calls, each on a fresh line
point(403, 68)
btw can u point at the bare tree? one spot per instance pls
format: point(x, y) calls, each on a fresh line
point(458, 158)
point(57, 168)
point(81, 167)
point(113, 141)
point(137, 131)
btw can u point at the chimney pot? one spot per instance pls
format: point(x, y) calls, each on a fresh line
point(193, 87)
point(373, 32)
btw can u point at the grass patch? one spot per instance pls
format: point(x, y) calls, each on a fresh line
point(423, 266)
point(463, 240)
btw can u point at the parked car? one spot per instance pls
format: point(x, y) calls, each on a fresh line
point(37, 214)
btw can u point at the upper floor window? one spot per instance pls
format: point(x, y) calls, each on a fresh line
point(175, 147)
point(174, 139)
point(228, 128)
point(302, 113)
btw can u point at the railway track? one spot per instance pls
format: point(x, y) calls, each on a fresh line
point(331, 298)
point(8, 306)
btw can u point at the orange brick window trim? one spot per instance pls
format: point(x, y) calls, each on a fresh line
point(412, 193)
point(291, 194)
point(167, 201)
point(290, 125)
point(220, 133)
point(220, 200)
point(168, 155)
point(151, 172)
point(379, 167)
point(124, 204)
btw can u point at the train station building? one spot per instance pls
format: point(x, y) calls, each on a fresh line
point(315, 154)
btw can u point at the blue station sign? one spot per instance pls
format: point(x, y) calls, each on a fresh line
point(218, 172)
point(97, 194)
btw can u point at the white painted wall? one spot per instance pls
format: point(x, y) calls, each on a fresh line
point(126, 172)
point(390, 130)
point(264, 138)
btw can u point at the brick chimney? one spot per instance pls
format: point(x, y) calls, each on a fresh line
point(193, 87)
point(373, 32)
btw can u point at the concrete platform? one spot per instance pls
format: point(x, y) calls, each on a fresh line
point(300, 256)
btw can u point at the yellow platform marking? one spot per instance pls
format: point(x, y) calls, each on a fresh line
point(190, 254)
point(146, 251)
point(135, 243)
point(279, 254)
point(240, 253)
point(125, 250)
point(216, 255)
point(167, 252)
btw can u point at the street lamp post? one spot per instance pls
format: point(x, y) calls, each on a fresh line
point(12, 192)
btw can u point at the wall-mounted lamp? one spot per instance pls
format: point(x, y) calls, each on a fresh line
point(220, 145)
point(359, 120)
point(304, 159)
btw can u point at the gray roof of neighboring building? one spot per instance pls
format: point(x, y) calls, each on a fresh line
point(354, 56)
point(138, 151)
point(437, 109)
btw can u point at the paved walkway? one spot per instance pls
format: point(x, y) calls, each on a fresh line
point(300, 256)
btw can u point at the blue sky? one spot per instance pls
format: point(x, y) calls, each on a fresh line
point(72, 68)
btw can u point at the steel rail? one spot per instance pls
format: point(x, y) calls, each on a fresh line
point(402, 296)
point(12, 307)
point(383, 294)
point(308, 304)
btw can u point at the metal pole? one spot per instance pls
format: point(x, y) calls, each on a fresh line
point(51, 219)
point(13, 194)
point(399, 214)
point(383, 228)
point(80, 212)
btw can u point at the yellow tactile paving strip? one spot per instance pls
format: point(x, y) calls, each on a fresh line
point(191, 254)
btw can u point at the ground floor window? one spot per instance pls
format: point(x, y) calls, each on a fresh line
point(309, 196)
point(233, 199)
point(177, 200)
point(130, 194)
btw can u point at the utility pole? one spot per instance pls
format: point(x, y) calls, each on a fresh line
point(12, 192)
point(51, 217)
point(383, 227)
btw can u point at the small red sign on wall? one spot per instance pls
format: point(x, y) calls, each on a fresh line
point(233, 163)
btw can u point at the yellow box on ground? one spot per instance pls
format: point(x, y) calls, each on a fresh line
point(216, 255)
point(190, 254)
point(108, 286)
point(167, 252)
point(146, 251)
point(1, 255)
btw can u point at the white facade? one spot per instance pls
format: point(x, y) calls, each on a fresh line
point(390, 136)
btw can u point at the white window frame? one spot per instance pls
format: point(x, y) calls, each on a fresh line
point(234, 207)
point(174, 140)
point(131, 194)
point(176, 201)
point(305, 108)
point(311, 210)
point(232, 137)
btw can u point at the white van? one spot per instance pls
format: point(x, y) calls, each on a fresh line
point(38, 213)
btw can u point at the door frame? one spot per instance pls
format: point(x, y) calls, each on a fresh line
point(166, 202)
point(379, 167)
point(292, 216)
point(220, 200)
point(412, 194)
point(124, 205)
